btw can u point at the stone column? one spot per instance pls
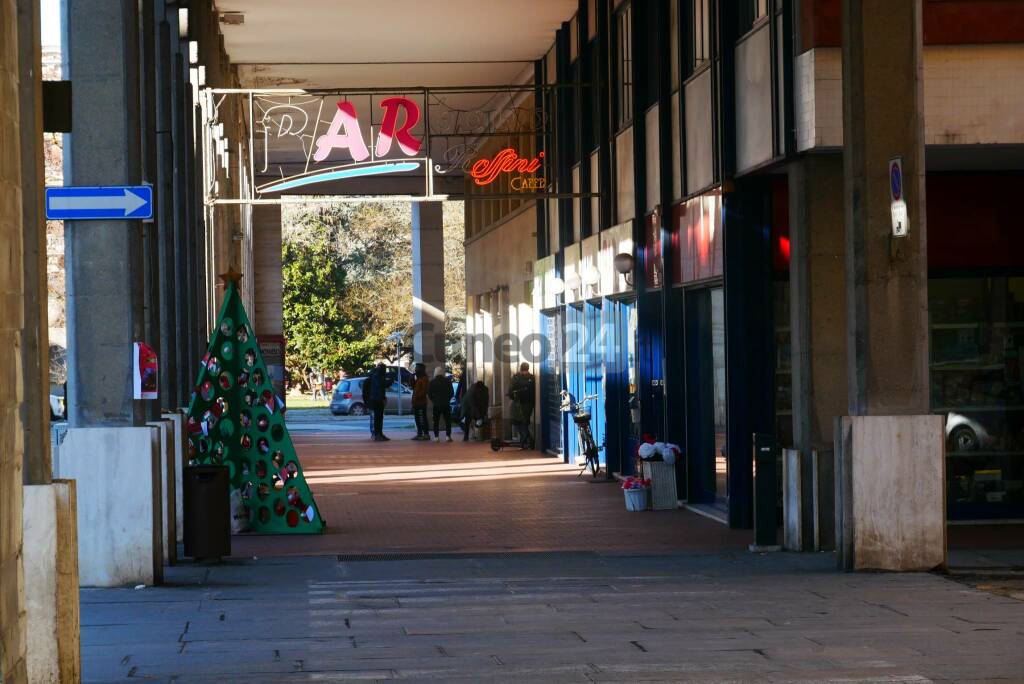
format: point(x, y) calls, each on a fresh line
point(428, 283)
point(887, 278)
point(890, 474)
point(12, 436)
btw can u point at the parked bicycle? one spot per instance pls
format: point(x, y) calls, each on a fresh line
point(581, 417)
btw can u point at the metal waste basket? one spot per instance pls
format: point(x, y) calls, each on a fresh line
point(207, 511)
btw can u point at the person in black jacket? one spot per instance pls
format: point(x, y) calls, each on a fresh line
point(475, 405)
point(376, 388)
point(441, 393)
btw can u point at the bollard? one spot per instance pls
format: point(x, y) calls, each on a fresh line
point(765, 494)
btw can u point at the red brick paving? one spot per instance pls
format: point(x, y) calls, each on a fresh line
point(423, 497)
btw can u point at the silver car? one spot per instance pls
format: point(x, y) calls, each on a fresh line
point(348, 398)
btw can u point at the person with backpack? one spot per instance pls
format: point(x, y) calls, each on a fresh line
point(441, 393)
point(521, 392)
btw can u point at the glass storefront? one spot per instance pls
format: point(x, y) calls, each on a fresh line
point(977, 339)
point(718, 393)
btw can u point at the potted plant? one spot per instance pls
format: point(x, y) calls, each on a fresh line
point(635, 490)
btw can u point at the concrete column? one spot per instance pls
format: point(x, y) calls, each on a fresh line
point(886, 278)
point(104, 258)
point(12, 598)
point(35, 340)
point(818, 325)
point(267, 278)
point(890, 470)
point(428, 283)
point(171, 383)
point(114, 458)
point(817, 304)
point(150, 230)
point(183, 298)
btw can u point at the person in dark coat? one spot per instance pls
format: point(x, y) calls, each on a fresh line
point(419, 403)
point(377, 396)
point(521, 392)
point(476, 402)
point(441, 393)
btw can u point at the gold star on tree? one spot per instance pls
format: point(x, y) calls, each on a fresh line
point(231, 276)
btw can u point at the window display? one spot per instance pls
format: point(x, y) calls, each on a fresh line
point(977, 335)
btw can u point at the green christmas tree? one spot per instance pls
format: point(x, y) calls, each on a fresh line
point(236, 420)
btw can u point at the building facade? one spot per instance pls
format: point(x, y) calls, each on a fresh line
point(705, 139)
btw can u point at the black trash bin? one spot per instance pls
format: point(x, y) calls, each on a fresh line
point(207, 511)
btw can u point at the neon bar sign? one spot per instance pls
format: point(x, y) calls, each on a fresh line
point(486, 171)
point(346, 133)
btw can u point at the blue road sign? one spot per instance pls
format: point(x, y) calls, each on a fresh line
point(114, 202)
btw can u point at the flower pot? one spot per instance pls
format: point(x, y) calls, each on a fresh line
point(636, 499)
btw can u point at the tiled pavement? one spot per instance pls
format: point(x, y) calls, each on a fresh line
point(405, 496)
point(507, 568)
point(571, 617)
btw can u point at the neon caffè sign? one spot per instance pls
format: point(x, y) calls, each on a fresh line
point(486, 171)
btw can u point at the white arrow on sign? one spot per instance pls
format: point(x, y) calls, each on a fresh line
point(129, 202)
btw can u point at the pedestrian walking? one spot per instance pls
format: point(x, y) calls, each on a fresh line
point(441, 393)
point(521, 392)
point(419, 402)
point(377, 400)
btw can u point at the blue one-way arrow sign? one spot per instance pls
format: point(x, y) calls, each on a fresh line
point(114, 202)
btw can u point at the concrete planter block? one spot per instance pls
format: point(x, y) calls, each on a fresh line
point(120, 521)
point(167, 504)
point(51, 583)
point(177, 418)
point(890, 492)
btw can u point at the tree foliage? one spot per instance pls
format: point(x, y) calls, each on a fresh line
point(348, 281)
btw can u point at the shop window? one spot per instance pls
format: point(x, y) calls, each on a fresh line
point(624, 66)
point(977, 382)
point(700, 33)
point(697, 228)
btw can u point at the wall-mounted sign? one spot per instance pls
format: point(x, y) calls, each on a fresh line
point(897, 202)
point(96, 203)
point(345, 134)
point(144, 375)
point(508, 161)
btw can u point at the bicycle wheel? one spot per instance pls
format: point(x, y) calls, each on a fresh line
point(593, 462)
